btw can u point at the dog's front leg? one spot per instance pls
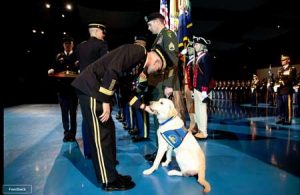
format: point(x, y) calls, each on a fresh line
point(169, 157)
point(159, 156)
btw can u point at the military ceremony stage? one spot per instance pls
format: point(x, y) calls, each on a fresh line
point(246, 153)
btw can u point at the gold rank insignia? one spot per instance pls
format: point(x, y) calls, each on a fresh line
point(169, 33)
point(171, 46)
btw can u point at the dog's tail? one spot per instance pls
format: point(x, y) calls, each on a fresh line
point(201, 178)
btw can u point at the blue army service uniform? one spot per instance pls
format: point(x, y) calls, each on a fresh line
point(88, 52)
point(95, 85)
point(66, 93)
point(137, 120)
point(287, 79)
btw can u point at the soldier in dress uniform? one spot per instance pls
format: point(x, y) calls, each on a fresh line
point(92, 49)
point(270, 91)
point(95, 89)
point(242, 92)
point(297, 95)
point(219, 89)
point(287, 79)
point(66, 62)
point(165, 84)
point(223, 92)
point(188, 88)
point(86, 53)
point(201, 79)
point(248, 91)
point(137, 120)
point(237, 92)
point(255, 89)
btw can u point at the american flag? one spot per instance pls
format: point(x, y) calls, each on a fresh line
point(164, 11)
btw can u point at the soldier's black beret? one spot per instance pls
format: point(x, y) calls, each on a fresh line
point(153, 16)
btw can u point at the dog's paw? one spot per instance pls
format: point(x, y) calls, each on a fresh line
point(174, 173)
point(165, 164)
point(148, 171)
point(207, 188)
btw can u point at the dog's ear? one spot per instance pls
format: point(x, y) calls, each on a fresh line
point(173, 111)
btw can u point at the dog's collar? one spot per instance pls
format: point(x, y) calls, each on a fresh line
point(167, 120)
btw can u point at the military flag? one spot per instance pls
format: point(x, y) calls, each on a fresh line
point(184, 24)
point(174, 14)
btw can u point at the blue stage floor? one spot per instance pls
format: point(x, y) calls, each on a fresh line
point(246, 154)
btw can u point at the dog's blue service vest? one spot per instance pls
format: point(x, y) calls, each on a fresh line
point(173, 137)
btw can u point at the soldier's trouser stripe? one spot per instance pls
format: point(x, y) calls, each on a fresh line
point(290, 108)
point(131, 117)
point(97, 138)
point(145, 124)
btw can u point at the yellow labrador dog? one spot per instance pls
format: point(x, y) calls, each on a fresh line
point(172, 137)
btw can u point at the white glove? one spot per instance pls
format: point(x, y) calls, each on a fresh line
point(168, 91)
point(276, 88)
point(296, 88)
point(203, 95)
point(184, 51)
point(51, 71)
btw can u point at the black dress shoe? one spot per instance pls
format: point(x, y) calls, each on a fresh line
point(65, 139)
point(119, 116)
point(72, 139)
point(69, 136)
point(139, 139)
point(280, 121)
point(126, 127)
point(151, 157)
point(69, 139)
point(147, 156)
point(125, 177)
point(133, 131)
point(122, 120)
point(118, 185)
point(66, 136)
